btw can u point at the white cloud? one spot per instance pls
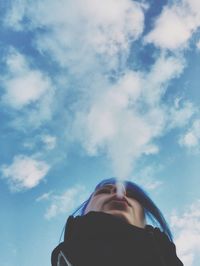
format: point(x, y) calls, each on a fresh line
point(36, 115)
point(187, 228)
point(90, 39)
point(180, 115)
point(66, 202)
point(123, 119)
point(45, 141)
point(44, 197)
point(24, 172)
point(162, 72)
point(191, 138)
point(22, 84)
point(114, 23)
point(108, 27)
point(113, 124)
point(176, 25)
point(198, 45)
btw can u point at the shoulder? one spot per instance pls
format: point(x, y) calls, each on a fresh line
point(164, 246)
point(55, 252)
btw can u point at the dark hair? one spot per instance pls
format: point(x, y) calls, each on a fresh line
point(150, 209)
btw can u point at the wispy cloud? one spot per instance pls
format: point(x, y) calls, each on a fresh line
point(64, 203)
point(162, 72)
point(181, 113)
point(24, 172)
point(49, 141)
point(146, 177)
point(46, 142)
point(191, 138)
point(187, 228)
point(44, 197)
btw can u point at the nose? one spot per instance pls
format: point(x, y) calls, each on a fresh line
point(119, 189)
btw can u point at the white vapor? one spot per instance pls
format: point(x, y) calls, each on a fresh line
point(117, 123)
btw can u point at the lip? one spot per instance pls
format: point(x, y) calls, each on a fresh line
point(120, 200)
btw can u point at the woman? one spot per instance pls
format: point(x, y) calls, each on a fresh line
point(111, 230)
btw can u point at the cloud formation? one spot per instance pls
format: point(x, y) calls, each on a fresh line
point(188, 237)
point(93, 73)
point(176, 24)
point(22, 84)
point(191, 138)
point(24, 172)
point(65, 202)
point(116, 110)
point(123, 118)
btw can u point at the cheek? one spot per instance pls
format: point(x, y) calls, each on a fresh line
point(138, 210)
point(141, 213)
point(94, 205)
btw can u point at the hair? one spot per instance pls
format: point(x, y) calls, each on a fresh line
point(150, 209)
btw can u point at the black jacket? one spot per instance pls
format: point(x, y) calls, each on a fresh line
point(99, 239)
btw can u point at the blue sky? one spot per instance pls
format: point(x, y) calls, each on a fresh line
point(93, 89)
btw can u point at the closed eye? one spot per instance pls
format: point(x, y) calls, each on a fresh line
point(102, 191)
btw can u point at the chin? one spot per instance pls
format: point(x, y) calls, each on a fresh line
point(120, 215)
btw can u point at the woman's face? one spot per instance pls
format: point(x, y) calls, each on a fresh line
point(106, 199)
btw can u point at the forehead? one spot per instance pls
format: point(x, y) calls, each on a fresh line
point(110, 185)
